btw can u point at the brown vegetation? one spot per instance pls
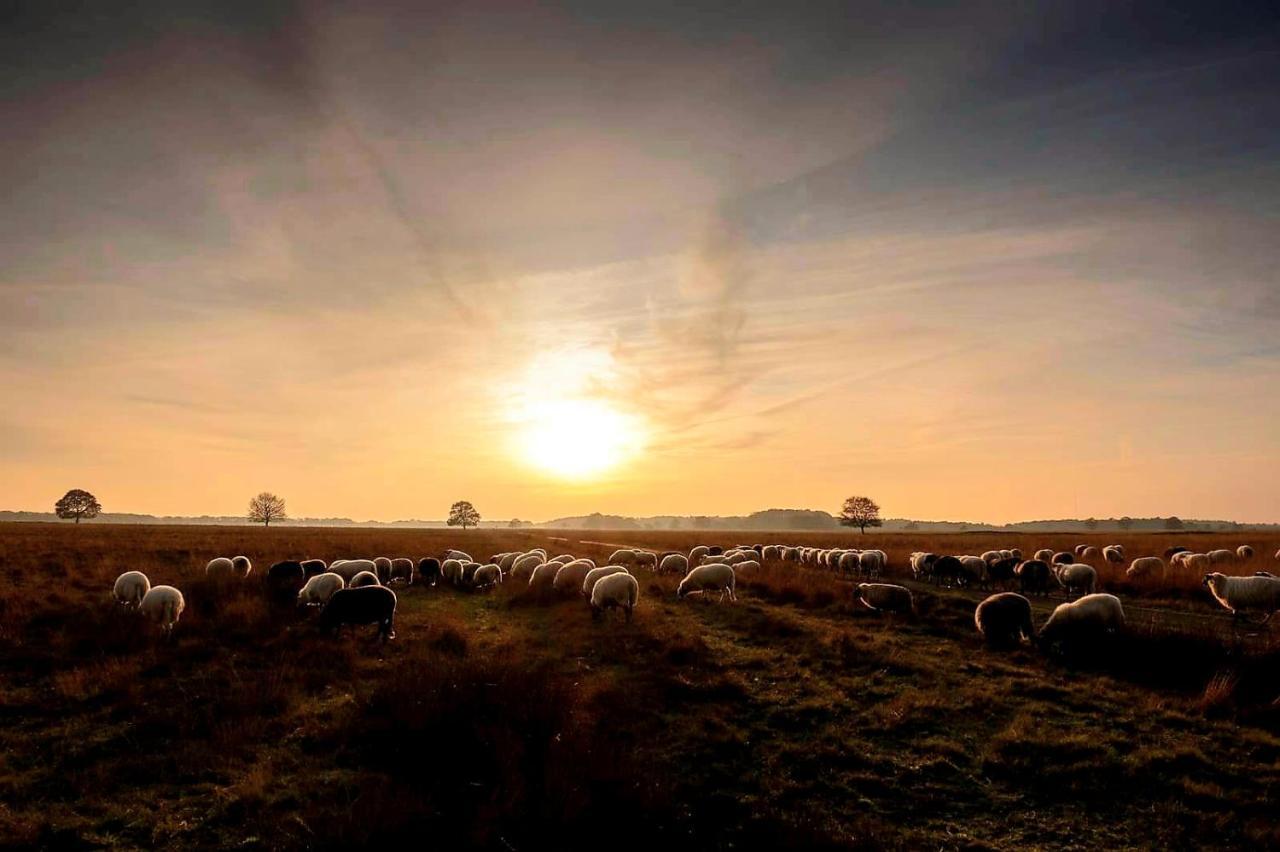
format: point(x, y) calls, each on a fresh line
point(503, 720)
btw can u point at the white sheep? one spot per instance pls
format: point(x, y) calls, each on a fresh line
point(131, 587)
point(347, 569)
point(570, 576)
point(362, 579)
point(1114, 554)
point(242, 565)
point(544, 575)
point(219, 568)
point(459, 555)
point(487, 576)
point(1043, 555)
point(673, 563)
point(871, 562)
point(1144, 566)
point(747, 565)
point(992, 556)
point(1244, 553)
point(622, 556)
point(1093, 615)
point(526, 565)
point(1089, 552)
point(1079, 579)
point(709, 578)
point(647, 558)
point(320, 588)
point(696, 555)
point(507, 560)
point(589, 581)
point(450, 569)
point(563, 559)
point(1222, 556)
point(615, 590)
point(1197, 562)
point(401, 570)
point(771, 551)
point(884, 597)
point(164, 606)
point(849, 562)
point(382, 567)
point(1243, 595)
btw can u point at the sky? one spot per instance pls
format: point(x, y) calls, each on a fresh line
point(989, 261)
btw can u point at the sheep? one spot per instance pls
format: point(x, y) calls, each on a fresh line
point(1002, 572)
point(451, 570)
point(243, 567)
point(709, 578)
point(1242, 595)
point(1143, 566)
point(947, 569)
point(589, 581)
point(849, 562)
point(164, 606)
point(1062, 558)
point(349, 568)
point(922, 565)
point(616, 590)
point(884, 597)
point(747, 565)
point(696, 555)
point(1078, 579)
point(771, 552)
point(486, 576)
point(622, 556)
point(1114, 554)
point(715, 550)
point(991, 556)
point(1080, 549)
point(364, 578)
point(1015, 553)
point(467, 577)
point(1004, 619)
point(429, 570)
point(715, 560)
point(1089, 552)
point(569, 578)
point(563, 559)
point(284, 579)
point(1222, 556)
point(313, 567)
point(220, 568)
point(1090, 616)
point(367, 605)
point(972, 569)
point(673, 563)
point(460, 556)
point(507, 560)
point(1197, 562)
point(1033, 577)
point(401, 571)
point(1042, 555)
point(1244, 553)
point(544, 576)
point(131, 587)
point(791, 554)
point(319, 588)
point(644, 557)
point(871, 562)
point(382, 567)
point(525, 565)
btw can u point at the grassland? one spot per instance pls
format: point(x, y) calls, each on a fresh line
point(506, 721)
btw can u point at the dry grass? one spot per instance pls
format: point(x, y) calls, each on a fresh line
point(504, 720)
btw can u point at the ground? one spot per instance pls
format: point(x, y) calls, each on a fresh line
point(505, 720)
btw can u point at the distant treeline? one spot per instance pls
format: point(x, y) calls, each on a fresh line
point(769, 519)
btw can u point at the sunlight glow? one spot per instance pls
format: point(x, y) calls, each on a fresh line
point(578, 438)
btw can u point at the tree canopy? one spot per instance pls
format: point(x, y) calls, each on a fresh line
point(77, 504)
point(267, 507)
point(463, 514)
point(860, 512)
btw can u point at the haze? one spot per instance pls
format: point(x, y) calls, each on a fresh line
point(992, 263)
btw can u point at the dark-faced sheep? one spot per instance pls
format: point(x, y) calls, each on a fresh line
point(1004, 619)
point(367, 605)
point(1033, 577)
point(284, 581)
point(1063, 558)
point(429, 570)
point(313, 567)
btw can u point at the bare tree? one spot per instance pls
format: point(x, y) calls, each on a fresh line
point(77, 504)
point(463, 514)
point(860, 512)
point(267, 507)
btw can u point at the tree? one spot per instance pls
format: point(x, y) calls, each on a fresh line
point(516, 524)
point(1173, 523)
point(267, 507)
point(77, 504)
point(463, 514)
point(1091, 524)
point(860, 512)
point(1126, 523)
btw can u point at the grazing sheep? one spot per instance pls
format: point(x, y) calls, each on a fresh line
point(1078, 579)
point(1033, 577)
point(313, 567)
point(1114, 554)
point(622, 556)
point(647, 559)
point(364, 578)
point(1002, 571)
point(1144, 566)
point(922, 565)
point(1016, 553)
point(972, 569)
point(131, 587)
point(884, 597)
point(569, 578)
point(243, 567)
point(1091, 616)
point(1080, 549)
point(850, 562)
point(1244, 553)
point(164, 606)
point(615, 590)
point(589, 581)
point(526, 565)
point(367, 605)
point(1089, 552)
point(465, 557)
point(469, 569)
point(563, 559)
point(1244, 595)
point(1222, 556)
point(486, 576)
point(947, 570)
point(429, 570)
point(1062, 558)
point(451, 570)
point(544, 575)
point(771, 551)
point(747, 565)
point(1173, 551)
point(709, 578)
point(871, 562)
point(507, 560)
point(1197, 562)
point(991, 556)
point(1043, 555)
point(382, 567)
point(673, 563)
point(319, 589)
point(401, 571)
point(1004, 619)
point(349, 568)
point(715, 550)
point(284, 579)
point(220, 568)
point(697, 554)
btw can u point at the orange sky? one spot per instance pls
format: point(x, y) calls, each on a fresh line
point(376, 283)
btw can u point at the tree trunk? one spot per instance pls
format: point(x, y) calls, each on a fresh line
point(77, 519)
point(266, 522)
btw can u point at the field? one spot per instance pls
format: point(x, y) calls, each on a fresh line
point(502, 720)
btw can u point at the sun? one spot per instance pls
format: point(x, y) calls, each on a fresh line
point(578, 438)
